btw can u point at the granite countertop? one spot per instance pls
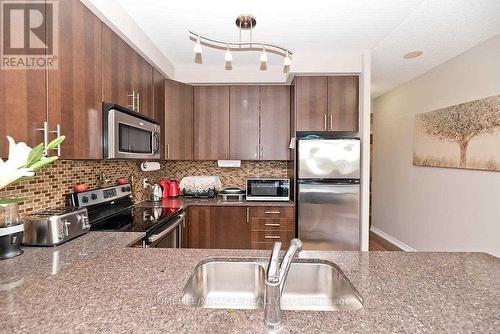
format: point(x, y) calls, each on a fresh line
point(183, 203)
point(40, 262)
point(138, 290)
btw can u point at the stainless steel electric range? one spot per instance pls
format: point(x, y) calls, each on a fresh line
point(112, 209)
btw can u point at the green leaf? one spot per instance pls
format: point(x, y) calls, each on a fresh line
point(56, 142)
point(11, 200)
point(35, 154)
point(44, 161)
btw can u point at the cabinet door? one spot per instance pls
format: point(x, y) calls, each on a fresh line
point(230, 228)
point(74, 89)
point(117, 68)
point(159, 104)
point(274, 122)
point(244, 122)
point(143, 86)
point(211, 122)
point(178, 121)
point(343, 110)
point(311, 100)
point(198, 227)
point(23, 106)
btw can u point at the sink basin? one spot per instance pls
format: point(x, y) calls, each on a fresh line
point(311, 285)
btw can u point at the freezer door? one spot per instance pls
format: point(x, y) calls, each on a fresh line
point(328, 216)
point(329, 159)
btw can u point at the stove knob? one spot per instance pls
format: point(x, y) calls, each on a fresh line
point(93, 196)
point(85, 199)
point(128, 188)
point(123, 189)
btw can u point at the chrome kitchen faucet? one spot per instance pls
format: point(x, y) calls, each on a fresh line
point(275, 280)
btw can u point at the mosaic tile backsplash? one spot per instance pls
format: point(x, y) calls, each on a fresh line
point(51, 185)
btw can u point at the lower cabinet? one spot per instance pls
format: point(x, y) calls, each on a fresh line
point(223, 227)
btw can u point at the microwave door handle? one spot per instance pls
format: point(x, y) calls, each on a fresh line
point(156, 142)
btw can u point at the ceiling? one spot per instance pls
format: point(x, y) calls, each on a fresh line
point(390, 28)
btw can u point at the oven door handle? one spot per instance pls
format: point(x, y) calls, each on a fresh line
point(171, 227)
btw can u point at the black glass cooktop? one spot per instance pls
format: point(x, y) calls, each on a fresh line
point(130, 218)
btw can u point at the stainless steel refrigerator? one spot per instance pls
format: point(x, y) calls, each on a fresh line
point(328, 194)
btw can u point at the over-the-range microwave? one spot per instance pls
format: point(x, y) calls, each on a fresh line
point(268, 189)
point(128, 134)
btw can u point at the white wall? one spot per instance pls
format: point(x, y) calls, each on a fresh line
point(426, 208)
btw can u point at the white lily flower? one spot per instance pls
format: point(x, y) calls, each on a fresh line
point(13, 169)
point(18, 153)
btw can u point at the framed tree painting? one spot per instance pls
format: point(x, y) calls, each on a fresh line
point(465, 135)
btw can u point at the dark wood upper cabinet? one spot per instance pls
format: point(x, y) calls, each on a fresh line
point(159, 104)
point(343, 107)
point(244, 122)
point(178, 125)
point(211, 122)
point(23, 107)
point(116, 72)
point(275, 122)
point(311, 103)
point(127, 78)
point(74, 88)
point(143, 86)
point(230, 228)
point(326, 103)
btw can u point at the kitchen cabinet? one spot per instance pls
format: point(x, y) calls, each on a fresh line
point(211, 122)
point(311, 103)
point(244, 122)
point(196, 233)
point(23, 107)
point(274, 122)
point(343, 107)
point(74, 88)
point(230, 228)
point(238, 227)
point(127, 79)
point(159, 104)
point(178, 125)
point(270, 224)
point(326, 103)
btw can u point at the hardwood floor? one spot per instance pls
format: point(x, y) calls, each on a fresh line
point(377, 243)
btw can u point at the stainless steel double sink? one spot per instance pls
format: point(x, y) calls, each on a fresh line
point(239, 283)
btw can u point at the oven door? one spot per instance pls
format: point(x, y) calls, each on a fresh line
point(169, 236)
point(268, 189)
point(131, 137)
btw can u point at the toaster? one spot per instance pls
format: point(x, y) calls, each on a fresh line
point(55, 226)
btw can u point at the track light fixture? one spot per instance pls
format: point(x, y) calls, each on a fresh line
point(243, 22)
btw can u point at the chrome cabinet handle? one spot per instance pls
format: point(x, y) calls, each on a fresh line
point(271, 237)
point(168, 151)
point(272, 224)
point(133, 100)
point(324, 122)
point(272, 212)
point(138, 102)
point(261, 152)
point(257, 148)
point(45, 130)
point(58, 134)
point(248, 214)
point(331, 122)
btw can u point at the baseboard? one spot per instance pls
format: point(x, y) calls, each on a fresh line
point(402, 246)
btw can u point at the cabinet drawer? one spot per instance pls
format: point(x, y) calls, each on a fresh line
point(272, 211)
point(271, 224)
point(272, 236)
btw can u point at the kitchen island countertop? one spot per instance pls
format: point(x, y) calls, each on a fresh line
point(138, 290)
